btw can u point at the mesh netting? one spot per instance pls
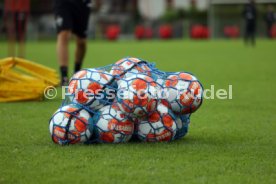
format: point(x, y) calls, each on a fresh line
point(71, 124)
point(131, 98)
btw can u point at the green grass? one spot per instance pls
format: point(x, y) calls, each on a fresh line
point(230, 141)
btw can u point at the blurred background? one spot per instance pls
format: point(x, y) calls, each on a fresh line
point(155, 19)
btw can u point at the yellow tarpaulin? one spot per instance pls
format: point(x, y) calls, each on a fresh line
point(21, 79)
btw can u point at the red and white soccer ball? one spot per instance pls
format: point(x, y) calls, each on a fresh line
point(70, 125)
point(112, 126)
point(159, 127)
point(184, 93)
point(137, 95)
point(160, 81)
point(89, 87)
point(128, 66)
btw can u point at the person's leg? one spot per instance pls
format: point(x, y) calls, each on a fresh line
point(253, 39)
point(63, 39)
point(269, 27)
point(81, 18)
point(246, 37)
point(80, 52)
point(21, 24)
point(64, 25)
point(253, 34)
point(246, 34)
point(10, 20)
point(21, 49)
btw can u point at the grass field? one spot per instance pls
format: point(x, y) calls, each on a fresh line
point(230, 141)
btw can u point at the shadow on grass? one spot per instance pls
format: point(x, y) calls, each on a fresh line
point(189, 140)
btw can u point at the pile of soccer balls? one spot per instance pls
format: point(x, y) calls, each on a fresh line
point(130, 99)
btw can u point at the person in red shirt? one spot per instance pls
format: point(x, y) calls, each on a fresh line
point(16, 15)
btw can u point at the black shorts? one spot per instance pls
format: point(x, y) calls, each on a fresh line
point(250, 27)
point(72, 15)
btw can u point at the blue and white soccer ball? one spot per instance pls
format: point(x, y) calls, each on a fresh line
point(91, 87)
point(128, 66)
point(137, 95)
point(111, 125)
point(159, 126)
point(71, 125)
point(185, 93)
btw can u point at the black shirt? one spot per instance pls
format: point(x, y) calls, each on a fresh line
point(250, 13)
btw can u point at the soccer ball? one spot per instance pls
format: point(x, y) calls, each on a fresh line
point(137, 95)
point(184, 93)
point(112, 126)
point(90, 87)
point(182, 123)
point(160, 81)
point(70, 125)
point(160, 126)
point(129, 66)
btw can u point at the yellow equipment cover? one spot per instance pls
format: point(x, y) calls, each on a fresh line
point(21, 79)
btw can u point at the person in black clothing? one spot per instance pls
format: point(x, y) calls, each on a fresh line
point(270, 19)
point(250, 16)
point(72, 17)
